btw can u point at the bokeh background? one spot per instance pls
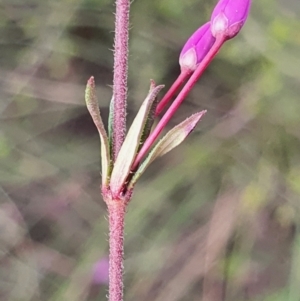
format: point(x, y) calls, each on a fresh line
point(216, 219)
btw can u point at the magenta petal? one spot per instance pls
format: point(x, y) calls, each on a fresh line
point(229, 17)
point(196, 48)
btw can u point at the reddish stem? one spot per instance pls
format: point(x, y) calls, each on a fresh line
point(178, 100)
point(120, 73)
point(178, 82)
point(116, 211)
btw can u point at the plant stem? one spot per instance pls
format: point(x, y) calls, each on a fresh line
point(178, 82)
point(116, 208)
point(120, 73)
point(178, 100)
point(116, 211)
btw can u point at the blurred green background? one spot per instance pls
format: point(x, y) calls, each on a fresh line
point(216, 219)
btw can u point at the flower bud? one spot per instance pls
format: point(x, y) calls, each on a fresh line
point(229, 17)
point(196, 48)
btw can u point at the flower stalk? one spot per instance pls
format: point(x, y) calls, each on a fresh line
point(184, 74)
point(179, 99)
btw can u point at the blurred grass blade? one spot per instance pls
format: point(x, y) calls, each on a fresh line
point(294, 287)
point(110, 125)
point(132, 141)
point(93, 108)
point(173, 138)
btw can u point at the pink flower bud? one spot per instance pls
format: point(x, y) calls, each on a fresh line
point(196, 48)
point(229, 17)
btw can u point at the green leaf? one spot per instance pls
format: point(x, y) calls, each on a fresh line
point(132, 142)
point(93, 108)
point(173, 138)
point(150, 119)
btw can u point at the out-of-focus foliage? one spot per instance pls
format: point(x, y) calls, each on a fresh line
point(216, 219)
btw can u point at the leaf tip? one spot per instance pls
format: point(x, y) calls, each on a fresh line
point(90, 91)
point(194, 120)
point(152, 84)
point(91, 81)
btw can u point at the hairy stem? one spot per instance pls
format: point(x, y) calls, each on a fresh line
point(116, 211)
point(120, 73)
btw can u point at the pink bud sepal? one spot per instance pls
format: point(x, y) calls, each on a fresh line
point(196, 48)
point(228, 17)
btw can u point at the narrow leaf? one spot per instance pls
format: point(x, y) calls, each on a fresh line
point(173, 138)
point(150, 118)
point(131, 144)
point(93, 108)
